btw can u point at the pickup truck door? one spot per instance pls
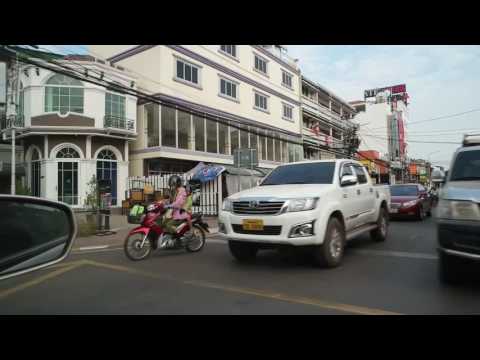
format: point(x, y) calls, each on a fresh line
point(350, 199)
point(366, 196)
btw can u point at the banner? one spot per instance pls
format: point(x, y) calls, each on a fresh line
point(208, 173)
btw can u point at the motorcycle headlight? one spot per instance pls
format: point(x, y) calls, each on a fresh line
point(409, 203)
point(302, 204)
point(458, 210)
point(227, 205)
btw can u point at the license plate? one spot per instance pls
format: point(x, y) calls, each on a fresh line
point(394, 211)
point(252, 225)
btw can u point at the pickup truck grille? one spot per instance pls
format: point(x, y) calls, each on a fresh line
point(267, 230)
point(257, 207)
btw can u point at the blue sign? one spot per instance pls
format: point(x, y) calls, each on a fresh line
point(208, 173)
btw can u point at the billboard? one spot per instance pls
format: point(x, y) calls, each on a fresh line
point(395, 89)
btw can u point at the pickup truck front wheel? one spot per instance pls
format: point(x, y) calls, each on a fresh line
point(243, 251)
point(330, 253)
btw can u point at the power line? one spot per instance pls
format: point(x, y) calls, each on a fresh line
point(420, 142)
point(434, 119)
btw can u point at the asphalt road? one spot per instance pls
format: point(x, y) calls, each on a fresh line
point(395, 277)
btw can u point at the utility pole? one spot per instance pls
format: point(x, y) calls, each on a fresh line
point(13, 94)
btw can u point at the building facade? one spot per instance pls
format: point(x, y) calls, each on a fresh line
point(326, 120)
point(71, 131)
point(210, 101)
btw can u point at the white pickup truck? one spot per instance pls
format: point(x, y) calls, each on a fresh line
point(320, 204)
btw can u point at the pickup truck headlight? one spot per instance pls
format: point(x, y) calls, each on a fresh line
point(302, 204)
point(227, 205)
point(458, 210)
point(409, 203)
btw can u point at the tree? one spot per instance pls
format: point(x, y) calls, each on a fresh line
point(91, 200)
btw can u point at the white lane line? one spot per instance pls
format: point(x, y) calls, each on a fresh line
point(76, 252)
point(93, 247)
point(400, 254)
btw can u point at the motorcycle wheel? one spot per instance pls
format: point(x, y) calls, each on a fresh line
point(133, 250)
point(197, 242)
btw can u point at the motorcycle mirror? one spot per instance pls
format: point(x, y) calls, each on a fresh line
point(34, 233)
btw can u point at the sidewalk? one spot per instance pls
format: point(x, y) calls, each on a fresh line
point(121, 227)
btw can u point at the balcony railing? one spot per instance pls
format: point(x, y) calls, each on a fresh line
point(117, 122)
point(12, 122)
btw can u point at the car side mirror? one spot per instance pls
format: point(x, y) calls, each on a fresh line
point(34, 233)
point(348, 180)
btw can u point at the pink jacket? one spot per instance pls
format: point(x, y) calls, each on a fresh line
point(178, 204)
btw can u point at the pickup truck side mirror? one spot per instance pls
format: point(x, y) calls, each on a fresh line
point(34, 233)
point(348, 180)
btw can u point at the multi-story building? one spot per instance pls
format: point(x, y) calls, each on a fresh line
point(71, 130)
point(382, 118)
point(209, 101)
point(325, 122)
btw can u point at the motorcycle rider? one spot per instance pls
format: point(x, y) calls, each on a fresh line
point(177, 214)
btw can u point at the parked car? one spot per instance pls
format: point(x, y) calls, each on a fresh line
point(458, 212)
point(317, 204)
point(410, 200)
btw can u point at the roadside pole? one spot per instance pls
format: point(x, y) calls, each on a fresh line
point(13, 163)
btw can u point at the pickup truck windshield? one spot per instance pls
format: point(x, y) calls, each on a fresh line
point(312, 173)
point(403, 190)
point(466, 166)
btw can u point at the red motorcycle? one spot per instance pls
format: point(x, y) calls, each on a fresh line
point(149, 236)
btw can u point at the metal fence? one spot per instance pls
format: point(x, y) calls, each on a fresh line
point(209, 192)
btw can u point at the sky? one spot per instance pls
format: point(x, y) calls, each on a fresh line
point(440, 80)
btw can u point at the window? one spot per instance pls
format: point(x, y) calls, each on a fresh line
point(107, 170)
point(243, 139)
point(153, 123)
point(187, 72)
point(67, 153)
point(362, 178)
point(228, 89)
point(211, 136)
point(199, 125)
point(169, 127)
point(234, 135)
point(114, 107)
point(466, 166)
point(287, 112)
point(229, 50)
point(35, 173)
point(313, 173)
point(403, 190)
point(270, 148)
point(261, 102)
point(184, 130)
point(260, 64)
point(346, 170)
point(278, 150)
point(285, 151)
point(63, 94)
point(253, 141)
point(263, 147)
point(223, 138)
point(287, 79)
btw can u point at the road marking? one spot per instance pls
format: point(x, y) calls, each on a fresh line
point(261, 293)
point(40, 279)
point(295, 299)
point(400, 254)
point(93, 247)
point(77, 252)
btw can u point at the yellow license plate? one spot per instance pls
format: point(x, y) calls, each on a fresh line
point(252, 225)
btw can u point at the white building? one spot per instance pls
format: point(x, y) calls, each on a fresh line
point(382, 122)
point(325, 120)
point(220, 98)
point(72, 130)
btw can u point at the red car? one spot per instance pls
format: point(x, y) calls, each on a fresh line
point(410, 200)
